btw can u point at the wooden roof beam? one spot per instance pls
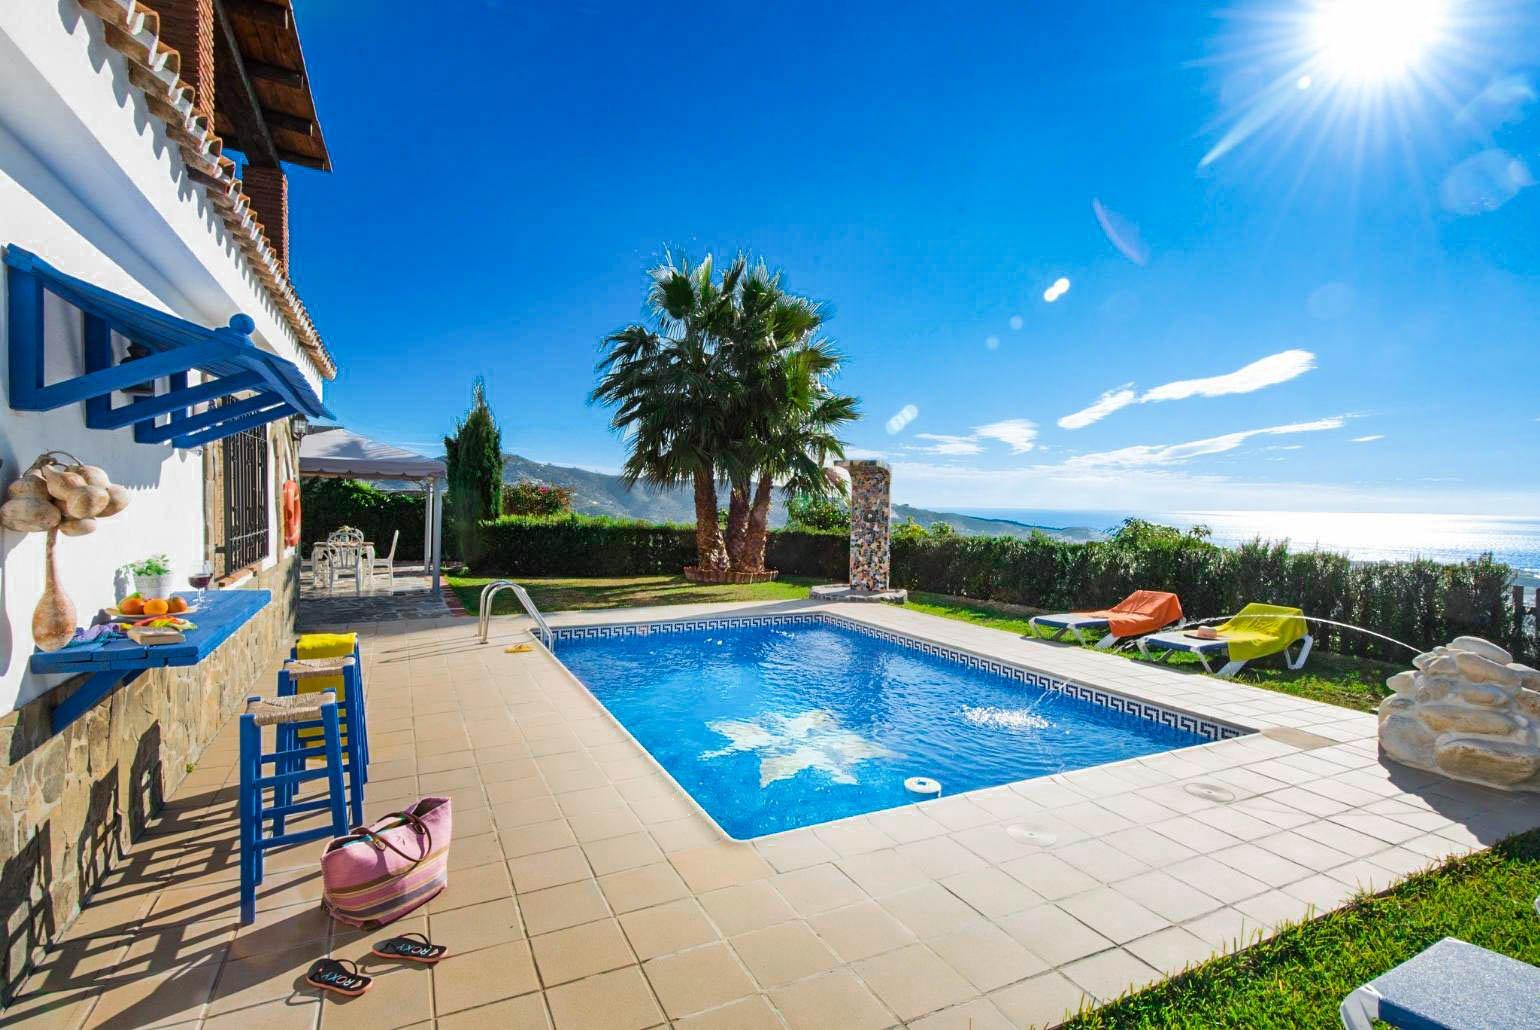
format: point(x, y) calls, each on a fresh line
point(276, 15)
point(272, 73)
point(288, 122)
point(245, 109)
point(290, 157)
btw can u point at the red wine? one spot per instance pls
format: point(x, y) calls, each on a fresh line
point(200, 580)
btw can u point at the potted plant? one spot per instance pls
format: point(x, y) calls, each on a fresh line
point(152, 576)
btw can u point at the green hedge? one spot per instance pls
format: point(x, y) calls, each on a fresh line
point(1421, 602)
point(329, 503)
point(585, 545)
point(581, 545)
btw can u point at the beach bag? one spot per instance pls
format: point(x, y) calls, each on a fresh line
point(380, 872)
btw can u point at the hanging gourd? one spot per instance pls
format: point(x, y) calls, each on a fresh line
point(55, 497)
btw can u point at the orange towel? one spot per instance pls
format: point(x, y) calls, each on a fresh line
point(1143, 611)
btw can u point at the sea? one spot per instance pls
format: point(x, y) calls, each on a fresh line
point(1362, 536)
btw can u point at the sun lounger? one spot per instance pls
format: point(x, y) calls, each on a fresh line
point(1142, 611)
point(1451, 984)
point(1258, 631)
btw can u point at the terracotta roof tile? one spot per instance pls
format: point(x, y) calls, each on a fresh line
point(133, 29)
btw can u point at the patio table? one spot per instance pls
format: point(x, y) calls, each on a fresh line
point(112, 663)
point(359, 554)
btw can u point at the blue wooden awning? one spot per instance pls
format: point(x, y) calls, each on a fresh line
point(256, 387)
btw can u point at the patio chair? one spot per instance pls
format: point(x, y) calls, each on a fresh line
point(1142, 611)
point(387, 563)
point(1451, 984)
point(323, 571)
point(1257, 631)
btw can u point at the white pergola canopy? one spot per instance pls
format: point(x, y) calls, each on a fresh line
point(332, 452)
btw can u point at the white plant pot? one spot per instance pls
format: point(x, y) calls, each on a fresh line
point(154, 586)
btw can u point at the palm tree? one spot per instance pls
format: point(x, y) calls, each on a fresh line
point(785, 417)
point(671, 389)
point(799, 438)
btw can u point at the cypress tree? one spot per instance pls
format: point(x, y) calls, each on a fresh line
point(474, 455)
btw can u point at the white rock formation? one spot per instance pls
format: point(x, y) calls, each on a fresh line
point(1467, 711)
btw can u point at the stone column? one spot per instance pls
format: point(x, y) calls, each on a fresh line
point(871, 517)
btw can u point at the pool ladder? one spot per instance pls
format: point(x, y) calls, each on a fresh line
point(491, 590)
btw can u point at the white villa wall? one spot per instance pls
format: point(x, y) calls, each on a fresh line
point(90, 183)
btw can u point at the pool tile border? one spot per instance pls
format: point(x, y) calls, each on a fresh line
point(1209, 729)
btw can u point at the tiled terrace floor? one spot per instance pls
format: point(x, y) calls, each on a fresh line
point(408, 595)
point(587, 891)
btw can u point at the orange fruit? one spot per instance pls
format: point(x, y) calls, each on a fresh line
point(156, 606)
point(133, 605)
point(176, 604)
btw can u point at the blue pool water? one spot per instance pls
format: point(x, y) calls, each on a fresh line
point(775, 727)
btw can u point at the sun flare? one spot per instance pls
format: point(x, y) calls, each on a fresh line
point(1373, 40)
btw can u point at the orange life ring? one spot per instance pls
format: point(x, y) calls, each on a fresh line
point(288, 497)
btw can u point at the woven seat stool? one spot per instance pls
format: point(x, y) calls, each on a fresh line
point(313, 646)
point(291, 767)
point(298, 679)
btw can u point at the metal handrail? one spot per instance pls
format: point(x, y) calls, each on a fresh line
point(491, 590)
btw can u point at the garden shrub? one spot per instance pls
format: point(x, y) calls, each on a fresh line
point(527, 497)
point(327, 504)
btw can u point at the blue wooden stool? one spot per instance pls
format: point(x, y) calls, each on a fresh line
point(292, 681)
point(312, 646)
point(291, 768)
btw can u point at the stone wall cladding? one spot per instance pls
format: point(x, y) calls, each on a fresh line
point(871, 519)
point(74, 801)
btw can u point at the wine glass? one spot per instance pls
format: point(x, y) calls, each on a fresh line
point(200, 578)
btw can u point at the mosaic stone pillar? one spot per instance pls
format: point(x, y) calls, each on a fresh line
point(871, 517)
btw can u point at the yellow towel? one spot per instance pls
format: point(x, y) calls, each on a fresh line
point(1259, 630)
point(324, 645)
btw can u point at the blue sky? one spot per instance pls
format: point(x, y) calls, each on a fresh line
point(1304, 269)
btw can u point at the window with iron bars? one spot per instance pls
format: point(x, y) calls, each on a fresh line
point(246, 526)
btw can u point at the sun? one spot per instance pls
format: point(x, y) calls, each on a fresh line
point(1375, 40)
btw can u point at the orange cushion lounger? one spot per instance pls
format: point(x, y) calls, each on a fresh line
point(1143, 611)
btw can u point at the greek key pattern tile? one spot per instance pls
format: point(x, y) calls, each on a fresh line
point(1209, 729)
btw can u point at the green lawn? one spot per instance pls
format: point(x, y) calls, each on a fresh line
point(1298, 978)
point(1357, 683)
point(557, 594)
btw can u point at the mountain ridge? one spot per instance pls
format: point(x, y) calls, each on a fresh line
point(599, 493)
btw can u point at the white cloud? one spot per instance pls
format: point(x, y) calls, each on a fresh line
point(1142, 455)
point(1265, 372)
point(901, 418)
point(1369, 439)
point(1017, 433)
point(1260, 374)
point(1100, 408)
point(944, 444)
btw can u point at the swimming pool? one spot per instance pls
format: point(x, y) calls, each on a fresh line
point(773, 723)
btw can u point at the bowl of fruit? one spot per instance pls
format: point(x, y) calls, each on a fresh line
point(136, 607)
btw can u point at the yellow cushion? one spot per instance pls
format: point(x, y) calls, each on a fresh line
point(324, 645)
point(1259, 630)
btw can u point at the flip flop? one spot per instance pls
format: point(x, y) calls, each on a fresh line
point(330, 974)
point(413, 947)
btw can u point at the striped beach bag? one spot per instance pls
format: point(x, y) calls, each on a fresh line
point(380, 872)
